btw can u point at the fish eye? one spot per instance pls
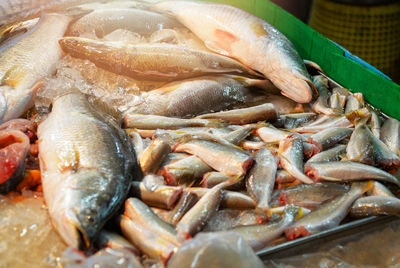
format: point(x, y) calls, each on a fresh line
point(90, 219)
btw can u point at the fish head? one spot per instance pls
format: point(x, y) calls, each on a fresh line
point(77, 228)
point(288, 73)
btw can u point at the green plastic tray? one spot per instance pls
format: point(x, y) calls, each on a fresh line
point(379, 91)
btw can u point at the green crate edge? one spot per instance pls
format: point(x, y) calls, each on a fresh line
point(380, 92)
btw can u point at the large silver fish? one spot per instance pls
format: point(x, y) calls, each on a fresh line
point(23, 63)
point(163, 62)
point(87, 165)
point(235, 33)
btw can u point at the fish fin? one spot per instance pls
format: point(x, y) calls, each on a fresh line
point(13, 77)
point(103, 107)
point(223, 42)
point(68, 160)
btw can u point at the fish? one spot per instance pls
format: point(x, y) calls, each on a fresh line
point(21, 72)
point(185, 203)
point(334, 154)
point(8, 34)
point(337, 102)
point(252, 145)
point(328, 215)
point(352, 104)
point(228, 160)
point(185, 171)
point(347, 171)
point(271, 134)
point(311, 195)
point(285, 105)
point(156, 121)
point(375, 206)
point(230, 199)
point(260, 179)
point(196, 96)
point(390, 135)
point(107, 239)
point(327, 138)
point(263, 112)
point(226, 219)
point(380, 189)
point(101, 22)
point(87, 164)
point(326, 122)
point(146, 240)
point(172, 158)
point(294, 120)
point(282, 177)
point(14, 148)
point(260, 235)
point(153, 156)
point(375, 124)
point(139, 212)
point(291, 157)
point(365, 148)
point(321, 105)
point(233, 32)
point(162, 196)
point(195, 219)
point(236, 136)
point(212, 178)
point(137, 141)
point(163, 62)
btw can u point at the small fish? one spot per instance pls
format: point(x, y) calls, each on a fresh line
point(153, 156)
point(235, 33)
point(137, 141)
point(195, 219)
point(195, 96)
point(185, 203)
point(155, 121)
point(263, 112)
point(321, 104)
point(375, 205)
point(236, 136)
point(390, 134)
point(352, 104)
point(101, 22)
point(163, 62)
point(365, 148)
point(87, 164)
point(333, 154)
point(285, 105)
point(347, 171)
point(107, 239)
point(230, 199)
point(21, 72)
point(271, 134)
point(314, 127)
point(291, 157)
point(139, 212)
point(327, 138)
point(259, 236)
point(252, 145)
point(210, 179)
point(296, 119)
point(310, 149)
point(282, 177)
point(146, 240)
point(260, 179)
point(14, 147)
point(328, 215)
point(380, 189)
point(375, 125)
point(311, 195)
point(161, 197)
point(228, 160)
point(185, 171)
point(337, 102)
point(226, 219)
point(172, 158)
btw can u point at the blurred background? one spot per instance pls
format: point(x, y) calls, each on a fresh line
point(370, 29)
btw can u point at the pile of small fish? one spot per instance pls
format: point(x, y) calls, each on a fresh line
point(205, 156)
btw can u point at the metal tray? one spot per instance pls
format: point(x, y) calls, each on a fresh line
point(311, 243)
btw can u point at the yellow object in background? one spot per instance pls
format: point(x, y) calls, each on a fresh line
point(371, 32)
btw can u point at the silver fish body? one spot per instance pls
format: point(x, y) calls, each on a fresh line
point(87, 165)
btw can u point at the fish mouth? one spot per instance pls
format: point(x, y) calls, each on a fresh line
point(83, 242)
